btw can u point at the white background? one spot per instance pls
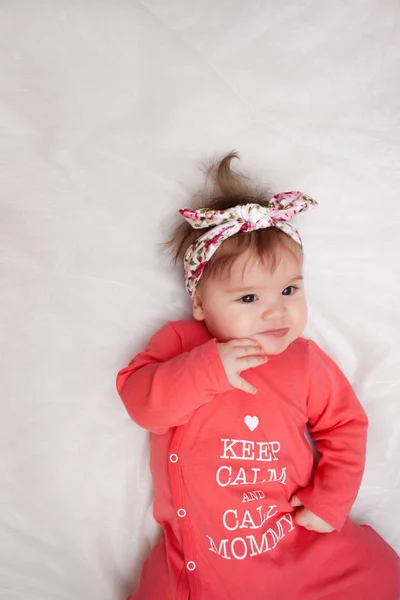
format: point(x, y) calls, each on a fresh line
point(106, 109)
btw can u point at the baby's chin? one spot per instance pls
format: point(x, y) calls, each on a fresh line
point(273, 346)
point(276, 351)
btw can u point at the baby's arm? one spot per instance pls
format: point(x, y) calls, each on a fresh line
point(338, 426)
point(163, 386)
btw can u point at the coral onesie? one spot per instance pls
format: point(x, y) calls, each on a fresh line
point(225, 464)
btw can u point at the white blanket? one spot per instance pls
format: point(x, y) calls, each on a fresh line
point(106, 108)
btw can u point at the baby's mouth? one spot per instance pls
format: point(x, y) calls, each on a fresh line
point(276, 332)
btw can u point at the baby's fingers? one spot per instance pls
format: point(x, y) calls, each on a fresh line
point(307, 519)
point(249, 362)
point(302, 517)
point(294, 501)
point(245, 386)
point(238, 342)
point(244, 363)
point(243, 351)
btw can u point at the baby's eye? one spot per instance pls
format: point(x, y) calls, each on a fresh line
point(289, 290)
point(248, 298)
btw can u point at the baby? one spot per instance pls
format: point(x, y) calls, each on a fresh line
point(246, 511)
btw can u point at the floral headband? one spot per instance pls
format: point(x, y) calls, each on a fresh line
point(244, 217)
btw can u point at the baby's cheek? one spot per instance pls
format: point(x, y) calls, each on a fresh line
point(302, 315)
point(235, 328)
point(225, 331)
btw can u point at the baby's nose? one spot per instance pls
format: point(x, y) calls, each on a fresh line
point(275, 310)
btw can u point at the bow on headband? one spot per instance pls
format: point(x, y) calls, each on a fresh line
point(244, 217)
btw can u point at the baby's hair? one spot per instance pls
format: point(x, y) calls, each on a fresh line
point(228, 189)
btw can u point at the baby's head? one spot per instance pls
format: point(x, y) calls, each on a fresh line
point(244, 273)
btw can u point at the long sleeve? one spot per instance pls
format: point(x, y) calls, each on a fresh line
point(163, 386)
point(338, 426)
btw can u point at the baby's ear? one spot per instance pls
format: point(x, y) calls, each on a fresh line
point(198, 310)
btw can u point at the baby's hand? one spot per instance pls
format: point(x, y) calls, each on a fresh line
point(237, 356)
point(308, 519)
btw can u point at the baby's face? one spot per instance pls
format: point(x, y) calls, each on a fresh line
point(251, 301)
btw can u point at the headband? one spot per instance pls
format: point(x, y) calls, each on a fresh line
point(244, 217)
